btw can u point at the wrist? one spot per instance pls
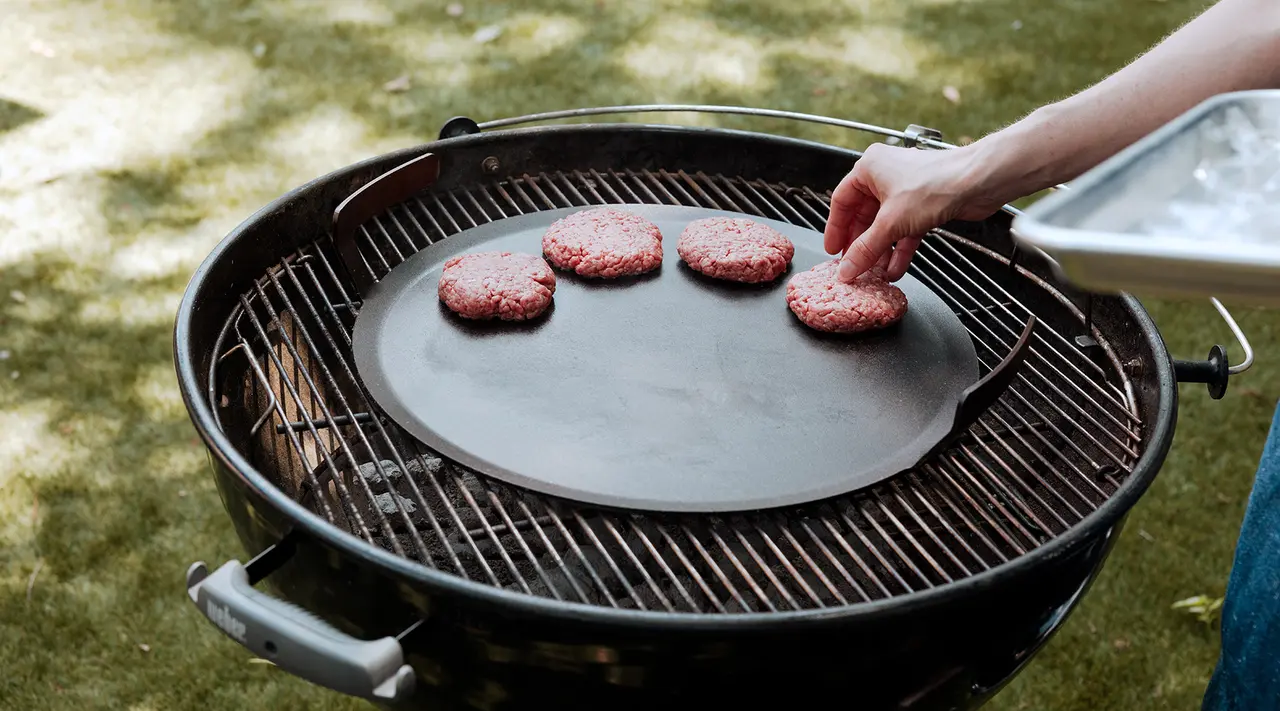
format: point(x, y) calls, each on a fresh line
point(1013, 162)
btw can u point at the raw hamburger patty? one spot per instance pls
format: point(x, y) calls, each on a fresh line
point(735, 249)
point(503, 285)
point(825, 303)
point(603, 242)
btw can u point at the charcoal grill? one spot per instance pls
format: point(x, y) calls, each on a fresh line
point(925, 591)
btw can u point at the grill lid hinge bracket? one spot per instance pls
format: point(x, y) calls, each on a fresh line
point(913, 135)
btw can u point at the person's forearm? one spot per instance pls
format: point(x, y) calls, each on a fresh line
point(1233, 46)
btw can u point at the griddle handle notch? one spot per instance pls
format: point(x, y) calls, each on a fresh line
point(383, 192)
point(292, 638)
point(979, 397)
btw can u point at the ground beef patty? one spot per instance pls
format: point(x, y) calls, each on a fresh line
point(735, 249)
point(603, 242)
point(502, 285)
point(825, 303)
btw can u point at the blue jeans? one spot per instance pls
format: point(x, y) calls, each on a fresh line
point(1247, 677)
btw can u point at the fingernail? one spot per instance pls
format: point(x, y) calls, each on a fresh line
point(847, 271)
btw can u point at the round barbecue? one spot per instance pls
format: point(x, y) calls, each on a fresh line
point(481, 527)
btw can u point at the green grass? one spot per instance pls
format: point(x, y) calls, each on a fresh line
point(135, 133)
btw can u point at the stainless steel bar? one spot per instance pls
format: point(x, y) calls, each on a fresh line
point(336, 392)
point(551, 550)
point(685, 197)
point(274, 405)
point(604, 183)
point(532, 182)
point(950, 461)
point(551, 185)
point(590, 186)
point(966, 266)
point(417, 225)
point(868, 545)
point(819, 218)
point(484, 190)
point(556, 521)
point(723, 577)
point(520, 542)
point(635, 562)
point(764, 568)
point(704, 179)
point(608, 559)
point(834, 562)
point(635, 180)
point(352, 513)
point(809, 562)
point(662, 563)
point(440, 231)
point(1003, 491)
point(921, 487)
point(1072, 383)
point(692, 570)
point(912, 487)
point(697, 189)
point(518, 190)
point(779, 200)
point(742, 571)
point(453, 195)
point(941, 470)
point(369, 239)
point(1032, 471)
point(712, 109)
point(568, 184)
point(928, 531)
point(741, 198)
point(391, 215)
point(795, 574)
point(897, 550)
point(318, 398)
point(493, 536)
point(1046, 444)
point(759, 200)
point(414, 489)
point(447, 215)
point(1022, 378)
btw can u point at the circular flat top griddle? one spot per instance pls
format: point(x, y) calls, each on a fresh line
point(664, 392)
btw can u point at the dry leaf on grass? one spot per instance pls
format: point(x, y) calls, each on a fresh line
point(397, 85)
point(486, 34)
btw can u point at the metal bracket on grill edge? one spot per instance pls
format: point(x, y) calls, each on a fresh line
point(387, 190)
point(980, 396)
point(293, 639)
point(913, 134)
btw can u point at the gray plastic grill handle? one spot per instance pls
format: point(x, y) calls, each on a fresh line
point(297, 641)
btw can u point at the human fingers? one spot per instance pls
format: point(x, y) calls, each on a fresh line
point(849, 202)
point(865, 251)
point(903, 251)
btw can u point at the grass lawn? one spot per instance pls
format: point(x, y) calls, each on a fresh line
point(135, 133)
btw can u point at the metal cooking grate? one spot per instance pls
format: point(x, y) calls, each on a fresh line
point(1057, 444)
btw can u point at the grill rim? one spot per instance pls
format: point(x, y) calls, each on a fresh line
point(1097, 523)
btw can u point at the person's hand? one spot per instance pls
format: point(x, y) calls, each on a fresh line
point(892, 197)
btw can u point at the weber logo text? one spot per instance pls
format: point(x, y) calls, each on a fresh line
point(223, 618)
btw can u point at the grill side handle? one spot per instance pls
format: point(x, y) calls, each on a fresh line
point(1215, 371)
point(295, 640)
point(979, 397)
point(387, 190)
